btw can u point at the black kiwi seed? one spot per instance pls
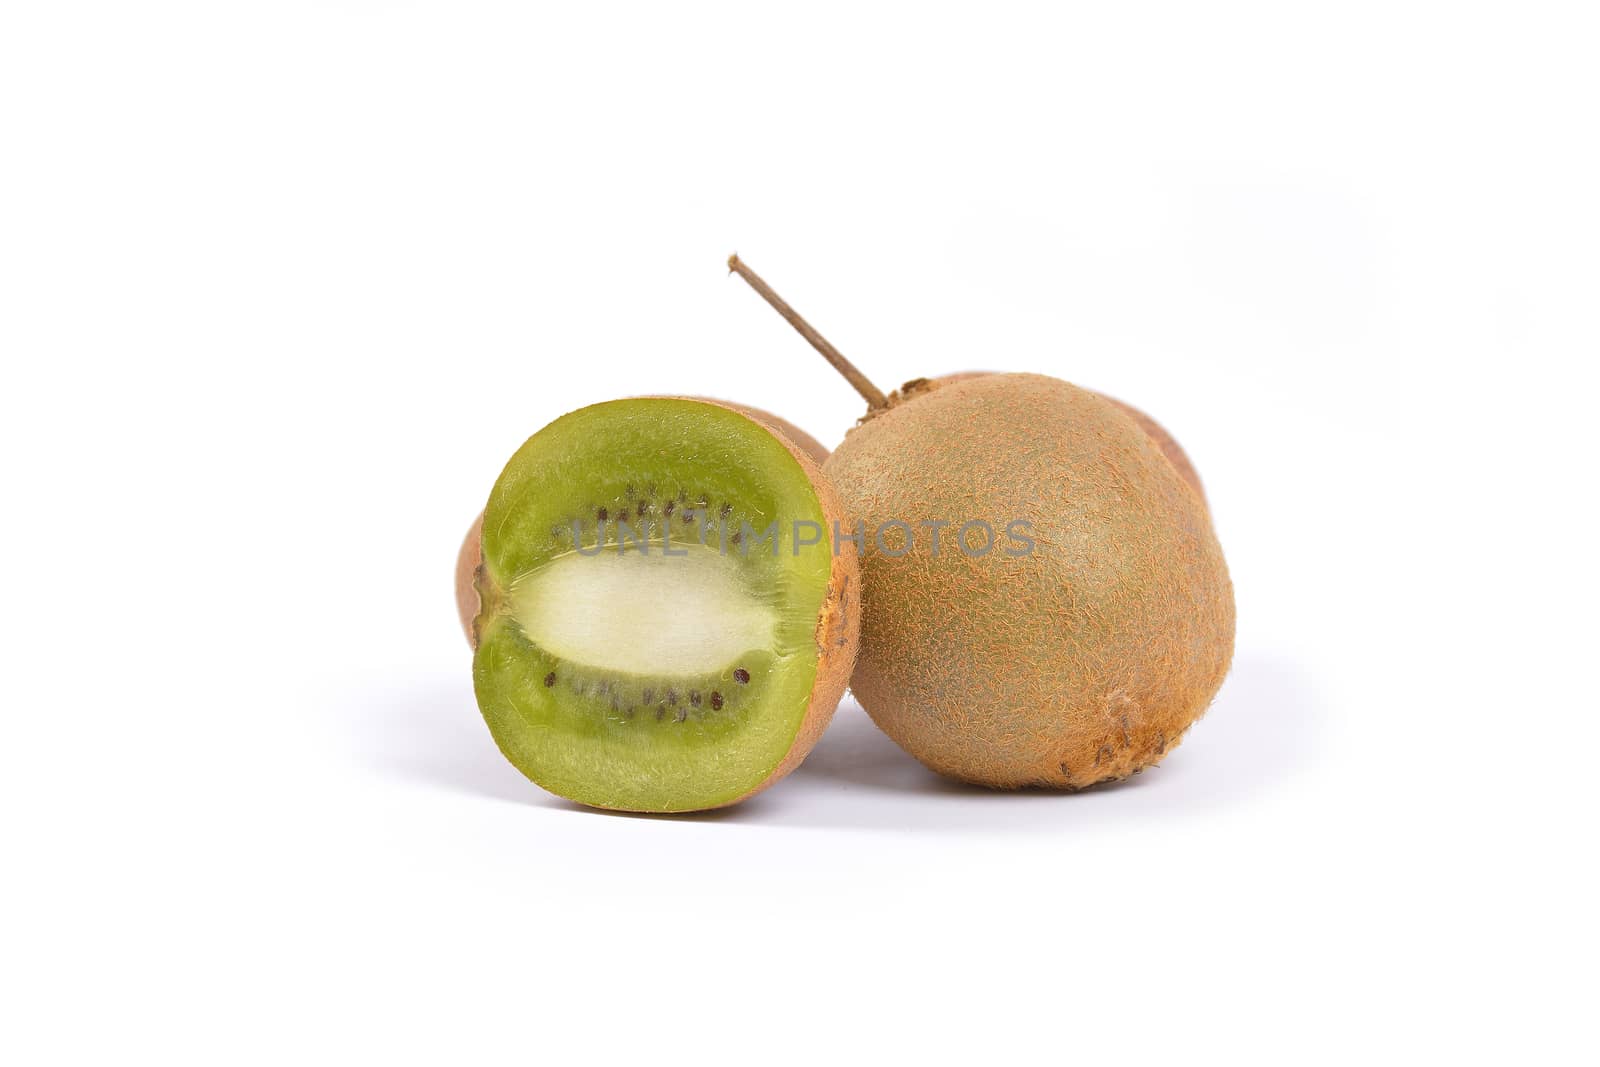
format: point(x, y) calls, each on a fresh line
point(622, 516)
point(672, 697)
point(550, 679)
point(683, 713)
point(672, 505)
point(716, 701)
point(727, 509)
point(694, 697)
point(741, 676)
point(649, 696)
point(601, 515)
point(660, 714)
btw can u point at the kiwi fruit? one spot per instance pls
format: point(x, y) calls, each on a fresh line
point(1081, 660)
point(1070, 635)
point(659, 619)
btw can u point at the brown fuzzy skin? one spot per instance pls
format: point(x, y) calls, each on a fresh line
point(838, 630)
point(470, 555)
point(1080, 663)
point(1168, 444)
point(1165, 441)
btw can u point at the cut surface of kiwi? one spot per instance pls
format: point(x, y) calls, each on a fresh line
point(662, 622)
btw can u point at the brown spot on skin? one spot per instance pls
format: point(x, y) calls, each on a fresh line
point(549, 680)
point(716, 701)
point(844, 615)
point(741, 676)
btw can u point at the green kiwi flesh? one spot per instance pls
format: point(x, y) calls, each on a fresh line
point(647, 628)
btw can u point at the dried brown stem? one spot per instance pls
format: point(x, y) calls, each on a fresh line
point(873, 395)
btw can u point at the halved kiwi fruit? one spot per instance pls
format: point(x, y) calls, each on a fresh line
point(662, 623)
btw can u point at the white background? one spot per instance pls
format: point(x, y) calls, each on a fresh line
point(283, 285)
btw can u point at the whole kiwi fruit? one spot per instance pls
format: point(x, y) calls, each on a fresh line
point(1077, 616)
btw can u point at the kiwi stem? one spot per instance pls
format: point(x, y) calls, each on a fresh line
point(871, 393)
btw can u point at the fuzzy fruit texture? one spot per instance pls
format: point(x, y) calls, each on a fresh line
point(1158, 433)
point(1165, 442)
point(1079, 662)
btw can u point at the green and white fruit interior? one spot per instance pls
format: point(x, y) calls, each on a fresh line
point(646, 636)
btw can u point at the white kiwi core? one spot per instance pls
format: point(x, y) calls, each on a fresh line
point(644, 612)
